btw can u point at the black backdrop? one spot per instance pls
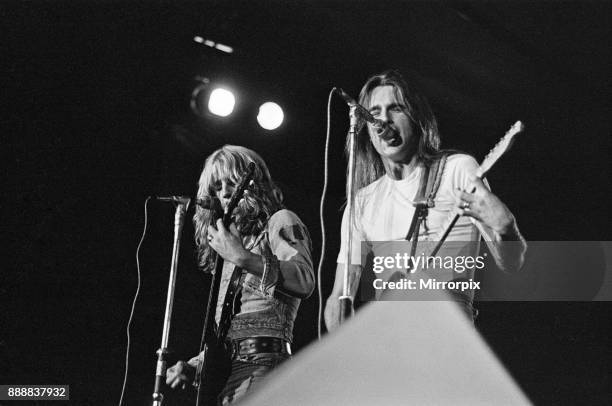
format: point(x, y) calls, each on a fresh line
point(97, 118)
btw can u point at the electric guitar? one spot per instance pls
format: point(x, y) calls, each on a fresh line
point(213, 335)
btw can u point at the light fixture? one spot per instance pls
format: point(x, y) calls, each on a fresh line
point(270, 116)
point(221, 102)
point(212, 44)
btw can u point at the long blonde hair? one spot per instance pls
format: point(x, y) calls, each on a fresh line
point(251, 215)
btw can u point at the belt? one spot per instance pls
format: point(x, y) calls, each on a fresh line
point(254, 345)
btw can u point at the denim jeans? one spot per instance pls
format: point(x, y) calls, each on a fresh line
point(247, 372)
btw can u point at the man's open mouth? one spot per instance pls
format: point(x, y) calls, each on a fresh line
point(391, 137)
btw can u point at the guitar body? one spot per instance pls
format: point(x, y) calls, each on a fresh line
point(210, 386)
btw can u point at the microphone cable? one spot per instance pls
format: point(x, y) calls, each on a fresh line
point(322, 220)
point(127, 351)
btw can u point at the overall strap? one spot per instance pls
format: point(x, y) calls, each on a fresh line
point(418, 200)
point(424, 199)
point(435, 178)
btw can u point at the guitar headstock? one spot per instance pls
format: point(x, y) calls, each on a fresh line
point(499, 149)
point(238, 193)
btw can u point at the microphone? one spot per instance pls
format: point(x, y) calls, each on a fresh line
point(361, 111)
point(177, 199)
point(209, 203)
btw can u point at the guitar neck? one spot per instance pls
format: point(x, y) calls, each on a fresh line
point(487, 163)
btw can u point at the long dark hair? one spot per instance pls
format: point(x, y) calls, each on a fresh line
point(368, 164)
point(263, 199)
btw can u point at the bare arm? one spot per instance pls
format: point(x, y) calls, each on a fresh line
point(498, 224)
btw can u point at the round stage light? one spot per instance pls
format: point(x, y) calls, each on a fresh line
point(270, 116)
point(221, 102)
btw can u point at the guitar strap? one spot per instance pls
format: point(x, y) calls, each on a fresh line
point(424, 199)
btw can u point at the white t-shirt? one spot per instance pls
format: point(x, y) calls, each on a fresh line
point(384, 211)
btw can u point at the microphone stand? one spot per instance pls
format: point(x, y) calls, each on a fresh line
point(160, 372)
point(358, 115)
point(346, 300)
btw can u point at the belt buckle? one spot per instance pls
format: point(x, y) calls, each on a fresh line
point(259, 344)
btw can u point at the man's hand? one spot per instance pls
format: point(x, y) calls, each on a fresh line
point(332, 306)
point(485, 207)
point(180, 374)
point(332, 313)
point(227, 243)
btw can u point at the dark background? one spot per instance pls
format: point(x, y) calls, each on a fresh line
point(96, 117)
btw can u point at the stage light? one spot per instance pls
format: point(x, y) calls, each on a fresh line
point(270, 116)
point(221, 102)
point(224, 48)
point(212, 44)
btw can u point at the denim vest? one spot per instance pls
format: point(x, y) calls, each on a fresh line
point(264, 307)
